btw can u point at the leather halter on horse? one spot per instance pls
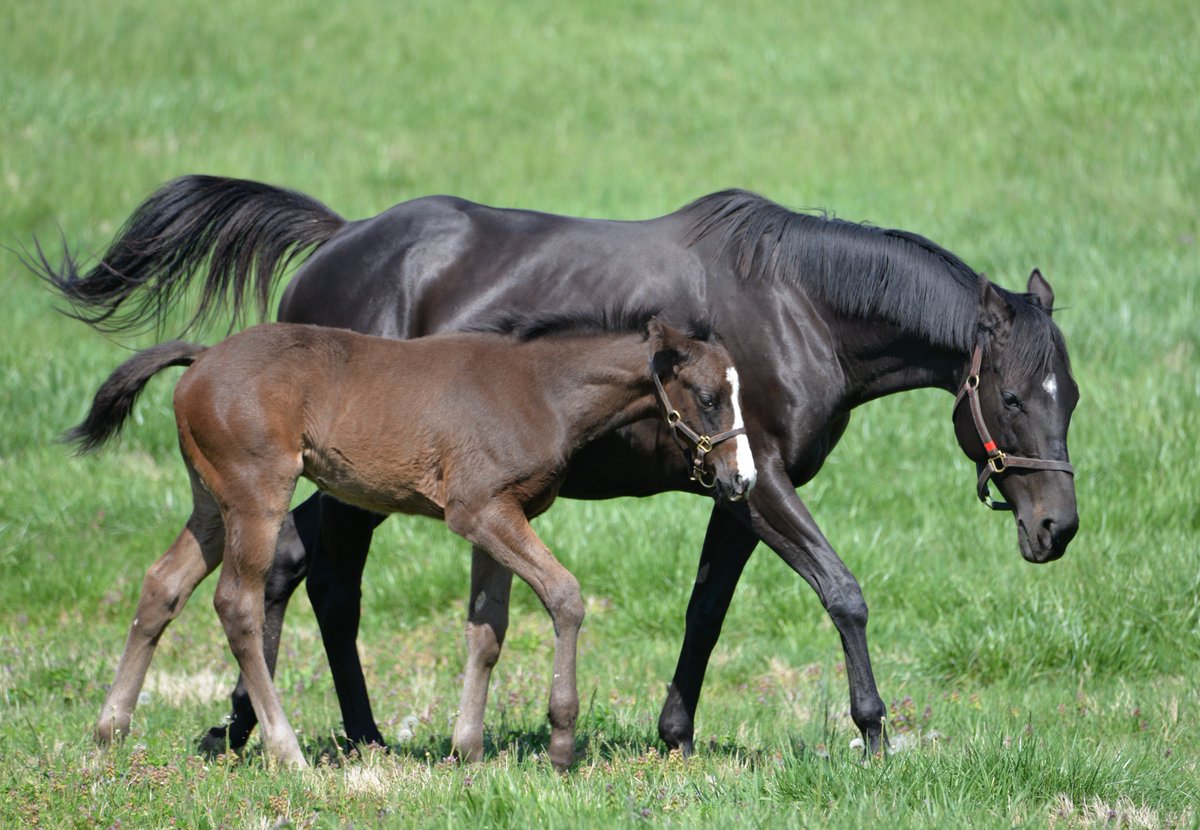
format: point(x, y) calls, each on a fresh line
point(701, 445)
point(998, 460)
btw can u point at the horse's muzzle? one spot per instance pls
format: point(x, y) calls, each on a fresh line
point(1049, 539)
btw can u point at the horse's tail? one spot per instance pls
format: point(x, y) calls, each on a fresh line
point(247, 233)
point(115, 398)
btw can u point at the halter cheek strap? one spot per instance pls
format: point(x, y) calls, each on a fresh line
point(998, 461)
point(701, 445)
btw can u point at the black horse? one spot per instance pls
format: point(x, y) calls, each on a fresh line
point(821, 315)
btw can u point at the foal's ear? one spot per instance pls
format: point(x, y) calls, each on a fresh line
point(1039, 288)
point(668, 346)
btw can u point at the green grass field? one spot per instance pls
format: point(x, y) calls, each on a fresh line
point(1058, 135)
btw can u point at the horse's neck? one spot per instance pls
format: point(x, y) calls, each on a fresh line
point(600, 383)
point(878, 359)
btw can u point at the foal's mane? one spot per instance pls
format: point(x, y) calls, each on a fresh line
point(868, 272)
point(583, 322)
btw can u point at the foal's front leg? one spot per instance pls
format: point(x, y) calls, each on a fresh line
point(503, 531)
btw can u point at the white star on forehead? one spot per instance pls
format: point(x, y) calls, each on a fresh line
point(1050, 384)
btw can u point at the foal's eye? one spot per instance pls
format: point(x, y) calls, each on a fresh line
point(1010, 399)
point(706, 400)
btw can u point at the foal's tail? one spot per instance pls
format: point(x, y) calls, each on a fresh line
point(247, 233)
point(115, 398)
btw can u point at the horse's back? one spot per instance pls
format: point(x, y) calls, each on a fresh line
point(441, 262)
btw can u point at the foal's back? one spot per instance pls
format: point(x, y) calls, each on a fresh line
point(391, 426)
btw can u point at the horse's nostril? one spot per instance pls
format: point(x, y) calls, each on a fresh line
point(1059, 534)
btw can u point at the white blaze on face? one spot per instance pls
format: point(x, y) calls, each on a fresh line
point(1050, 384)
point(745, 460)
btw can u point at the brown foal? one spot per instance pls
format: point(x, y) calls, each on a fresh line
point(473, 428)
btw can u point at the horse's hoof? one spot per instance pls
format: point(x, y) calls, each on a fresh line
point(214, 742)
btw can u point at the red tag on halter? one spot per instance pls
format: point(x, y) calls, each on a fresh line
point(989, 447)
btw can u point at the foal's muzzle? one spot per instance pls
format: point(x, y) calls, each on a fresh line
point(738, 491)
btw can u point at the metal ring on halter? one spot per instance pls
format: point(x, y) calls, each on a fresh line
point(698, 475)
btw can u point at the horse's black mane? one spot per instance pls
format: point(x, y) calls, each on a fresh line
point(864, 271)
point(526, 325)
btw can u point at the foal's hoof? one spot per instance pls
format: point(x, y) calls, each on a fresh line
point(562, 752)
point(111, 729)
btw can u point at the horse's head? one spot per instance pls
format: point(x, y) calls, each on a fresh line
point(1012, 415)
point(699, 396)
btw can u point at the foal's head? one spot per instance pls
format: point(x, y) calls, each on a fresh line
point(700, 397)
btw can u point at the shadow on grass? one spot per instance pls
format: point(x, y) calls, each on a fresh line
point(522, 745)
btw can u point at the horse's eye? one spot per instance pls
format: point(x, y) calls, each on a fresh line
point(706, 400)
point(1010, 399)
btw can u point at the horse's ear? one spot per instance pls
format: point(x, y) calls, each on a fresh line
point(1039, 288)
point(993, 308)
point(668, 345)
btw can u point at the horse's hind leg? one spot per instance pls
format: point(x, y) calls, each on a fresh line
point(504, 532)
point(335, 589)
point(487, 622)
point(166, 588)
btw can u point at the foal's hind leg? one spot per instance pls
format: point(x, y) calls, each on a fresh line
point(503, 531)
point(293, 552)
point(487, 622)
point(166, 588)
point(256, 503)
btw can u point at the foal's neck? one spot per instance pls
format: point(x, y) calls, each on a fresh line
point(598, 383)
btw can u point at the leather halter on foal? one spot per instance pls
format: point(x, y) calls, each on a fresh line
point(701, 445)
point(998, 460)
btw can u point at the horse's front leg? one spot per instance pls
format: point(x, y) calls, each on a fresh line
point(727, 547)
point(783, 522)
point(487, 622)
point(335, 589)
point(297, 539)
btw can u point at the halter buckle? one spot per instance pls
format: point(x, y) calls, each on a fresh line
point(704, 445)
point(996, 461)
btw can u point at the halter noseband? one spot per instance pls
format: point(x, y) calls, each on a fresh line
point(701, 445)
point(998, 461)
